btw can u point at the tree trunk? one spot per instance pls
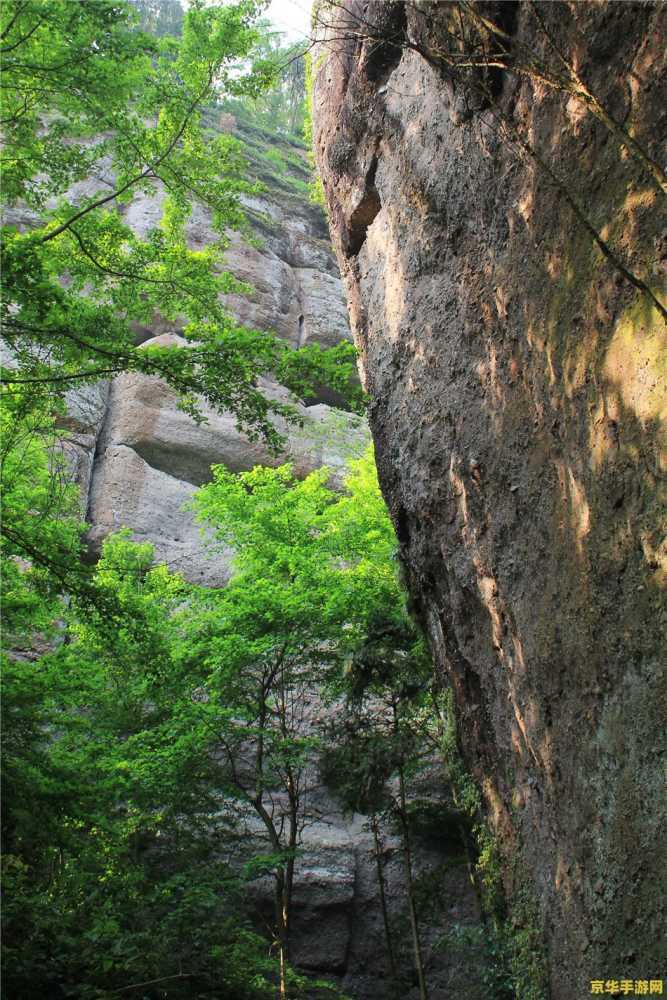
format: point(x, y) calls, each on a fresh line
point(393, 970)
point(412, 909)
point(282, 931)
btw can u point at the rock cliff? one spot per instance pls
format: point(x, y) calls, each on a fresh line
point(138, 458)
point(494, 231)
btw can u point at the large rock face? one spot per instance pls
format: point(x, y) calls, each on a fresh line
point(518, 409)
point(149, 457)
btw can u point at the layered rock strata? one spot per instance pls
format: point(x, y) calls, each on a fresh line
point(151, 457)
point(141, 462)
point(518, 406)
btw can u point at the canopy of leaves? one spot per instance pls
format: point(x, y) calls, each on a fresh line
point(281, 106)
point(97, 113)
point(41, 519)
point(112, 835)
point(121, 742)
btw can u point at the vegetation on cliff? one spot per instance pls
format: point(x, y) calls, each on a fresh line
point(136, 749)
point(97, 111)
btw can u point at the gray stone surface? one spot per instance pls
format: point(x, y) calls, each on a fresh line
point(150, 455)
point(86, 408)
point(127, 492)
point(337, 926)
point(81, 425)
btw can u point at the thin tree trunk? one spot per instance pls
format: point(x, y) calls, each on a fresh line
point(288, 888)
point(283, 940)
point(383, 903)
point(280, 909)
point(283, 973)
point(412, 909)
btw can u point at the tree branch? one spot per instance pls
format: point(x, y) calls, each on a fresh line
point(153, 982)
point(139, 177)
point(10, 48)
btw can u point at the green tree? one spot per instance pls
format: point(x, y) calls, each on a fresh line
point(146, 738)
point(121, 115)
point(262, 643)
point(96, 113)
point(114, 833)
point(280, 108)
point(41, 519)
point(388, 730)
point(310, 569)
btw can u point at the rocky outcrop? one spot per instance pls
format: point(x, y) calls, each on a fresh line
point(338, 927)
point(149, 456)
point(517, 386)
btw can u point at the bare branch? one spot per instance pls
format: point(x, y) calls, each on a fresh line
point(154, 982)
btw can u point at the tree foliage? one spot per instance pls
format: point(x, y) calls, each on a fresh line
point(386, 732)
point(112, 838)
point(310, 569)
point(96, 114)
point(137, 750)
point(41, 519)
point(280, 107)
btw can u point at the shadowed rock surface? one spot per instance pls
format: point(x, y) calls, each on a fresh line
point(337, 929)
point(517, 384)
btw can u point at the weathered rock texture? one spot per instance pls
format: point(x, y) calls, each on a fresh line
point(337, 926)
point(518, 409)
point(149, 457)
